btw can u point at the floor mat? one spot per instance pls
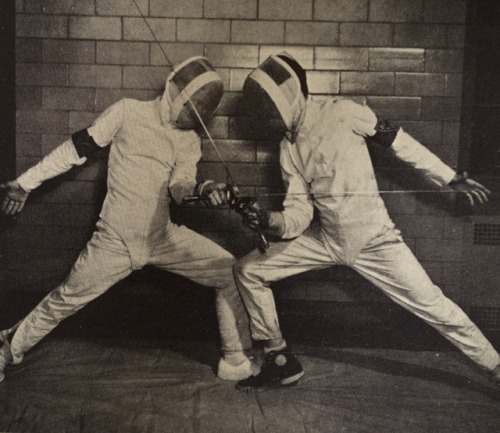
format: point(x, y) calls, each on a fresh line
point(137, 385)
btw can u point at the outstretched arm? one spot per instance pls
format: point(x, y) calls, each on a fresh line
point(60, 160)
point(411, 151)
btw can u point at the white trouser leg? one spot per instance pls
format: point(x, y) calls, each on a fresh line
point(201, 260)
point(390, 265)
point(102, 263)
point(257, 270)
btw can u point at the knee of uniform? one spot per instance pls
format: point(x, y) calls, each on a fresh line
point(246, 270)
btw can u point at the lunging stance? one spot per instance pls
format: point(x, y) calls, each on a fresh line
point(153, 157)
point(324, 163)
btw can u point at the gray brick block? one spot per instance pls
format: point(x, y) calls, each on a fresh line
point(417, 35)
point(127, 8)
point(311, 33)
point(285, 9)
point(453, 227)
point(28, 50)
point(234, 56)
point(38, 26)
point(396, 10)
point(176, 8)
point(367, 83)
point(231, 150)
point(445, 11)
point(441, 108)
point(444, 250)
point(28, 145)
point(83, 215)
point(39, 74)
point(341, 10)
point(106, 97)
point(268, 152)
point(341, 59)
point(67, 51)
point(400, 204)
point(397, 59)
point(218, 127)
point(59, 98)
point(452, 276)
point(145, 77)
point(415, 84)
point(55, 7)
point(42, 121)
point(62, 237)
point(194, 30)
point(176, 52)
point(230, 9)
point(450, 60)
point(24, 163)
point(95, 76)
point(237, 78)
point(50, 141)
point(258, 32)
point(323, 82)
point(123, 53)
point(456, 36)
point(395, 108)
point(28, 98)
point(106, 28)
point(365, 34)
point(451, 133)
point(454, 85)
point(231, 105)
point(80, 119)
point(70, 192)
point(163, 29)
point(45, 214)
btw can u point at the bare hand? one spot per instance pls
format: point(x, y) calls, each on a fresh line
point(474, 191)
point(15, 197)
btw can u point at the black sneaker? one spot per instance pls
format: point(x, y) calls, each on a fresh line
point(280, 368)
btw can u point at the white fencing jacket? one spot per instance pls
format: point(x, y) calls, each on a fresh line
point(147, 159)
point(328, 166)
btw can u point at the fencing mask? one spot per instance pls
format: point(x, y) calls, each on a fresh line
point(276, 91)
point(193, 82)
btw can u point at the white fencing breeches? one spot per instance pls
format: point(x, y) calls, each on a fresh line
point(106, 260)
point(386, 261)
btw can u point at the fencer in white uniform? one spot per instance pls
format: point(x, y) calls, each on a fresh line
point(327, 170)
point(154, 151)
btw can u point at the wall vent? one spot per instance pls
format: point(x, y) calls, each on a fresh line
point(486, 234)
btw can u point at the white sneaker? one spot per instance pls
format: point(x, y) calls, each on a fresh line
point(227, 371)
point(5, 358)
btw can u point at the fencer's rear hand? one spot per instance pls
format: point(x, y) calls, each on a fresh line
point(15, 197)
point(253, 216)
point(218, 194)
point(472, 190)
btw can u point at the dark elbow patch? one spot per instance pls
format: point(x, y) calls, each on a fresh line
point(386, 133)
point(84, 144)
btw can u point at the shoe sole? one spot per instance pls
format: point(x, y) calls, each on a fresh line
point(289, 381)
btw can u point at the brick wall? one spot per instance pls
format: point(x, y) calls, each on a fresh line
point(74, 58)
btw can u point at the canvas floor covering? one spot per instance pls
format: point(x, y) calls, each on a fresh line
point(104, 385)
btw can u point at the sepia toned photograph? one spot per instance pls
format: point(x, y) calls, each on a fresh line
point(249, 216)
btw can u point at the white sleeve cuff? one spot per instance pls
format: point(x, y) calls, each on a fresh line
point(411, 151)
point(57, 162)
